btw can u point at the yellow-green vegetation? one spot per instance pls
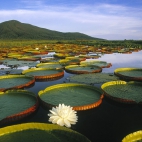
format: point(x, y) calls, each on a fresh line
point(135, 73)
point(15, 81)
point(133, 137)
point(105, 46)
point(127, 92)
point(15, 101)
point(69, 93)
point(40, 132)
point(93, 78)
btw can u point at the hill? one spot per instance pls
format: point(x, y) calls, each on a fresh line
point(16, 30)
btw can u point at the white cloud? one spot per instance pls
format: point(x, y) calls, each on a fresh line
point(103, 21)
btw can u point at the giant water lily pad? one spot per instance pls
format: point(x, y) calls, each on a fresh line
point(10, 71)
point(52, 65)
point(133, 74)
point(66, 62)
point(127, 92)
point(16, 104)
point(102, 64)
point(44, 73)
point(29, 58)
point(36, 132)
point(76, 58)
point(133, 137)
point(82, 69)
point(16, 63)
point(79, 96)
point(93, 78)
point(15, 81)
point(61, 55)
point(14, 55)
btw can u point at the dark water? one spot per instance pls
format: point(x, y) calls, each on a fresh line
point(111, 121)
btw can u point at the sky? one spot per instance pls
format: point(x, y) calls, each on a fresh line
point(106, 19)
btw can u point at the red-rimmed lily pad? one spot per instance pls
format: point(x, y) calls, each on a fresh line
point(36, 132)
point(16, 104)
point(44, 73)
point(82, 69)
point(125, 92)
point(15, 81)
point(93, 78)
point(133, 74)
point(16, 63)
point(133, 137)
point(79, 96)
point(50, 65)
point(66, 62)
point(29, 58)
point(101, 64)
point(6, 71)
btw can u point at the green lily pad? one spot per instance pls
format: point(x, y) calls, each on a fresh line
point(133, 74)
point(79, 96)
point(17, 63)
point(36, 132)
point(50, 65)
point(93, 78)
point(10, 71)
point(133, 137)
point(82, 69)
point(102, 64)
point(15, 81)
point(127, 92)
point(72, 61)
point(44, 73)
point(15, 104)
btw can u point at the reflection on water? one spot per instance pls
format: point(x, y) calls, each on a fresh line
point(123, 60)
point(111, 121)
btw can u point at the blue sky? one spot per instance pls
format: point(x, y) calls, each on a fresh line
point(107, 19)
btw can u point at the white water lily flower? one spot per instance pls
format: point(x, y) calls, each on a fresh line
point(63, 115)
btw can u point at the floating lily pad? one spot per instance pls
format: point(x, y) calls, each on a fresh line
point(15, 81)
point(133, 137)
point(16, 63)
point(14, 55)
point(133, 74)
point(52, 65)
point(93, 78)
point(93, 56)
point(79, 96)
point(47, 60)
point(10, 71)
point(36, 132)
point(16, 104)
point(121, 91)
point(29, 58)
point(44, 73)
point(61, 55)
point(37, 52)
point(82, 69)
point(66, 62)
point(90, 56)
point(76, 58)
point(101, 64)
